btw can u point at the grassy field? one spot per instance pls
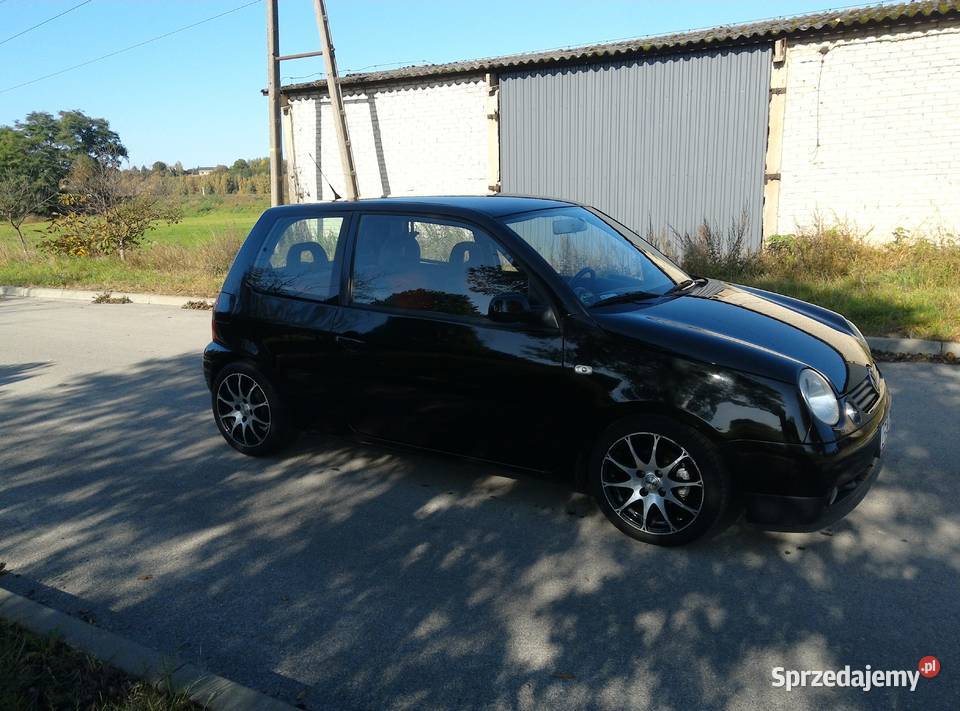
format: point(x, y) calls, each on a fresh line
point(203, 218)
point(43, 673)
point(189, 257)
point(910, 289)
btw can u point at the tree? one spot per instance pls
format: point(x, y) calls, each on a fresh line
point(41, 149)
point(106, 211)
point(160, 168)
point(28, 178)
point(240, 168)
point(19, 198)
point(32, 156)
point(116, 230)
point(84, 135)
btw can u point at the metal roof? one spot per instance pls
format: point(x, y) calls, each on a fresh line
point(748, 33)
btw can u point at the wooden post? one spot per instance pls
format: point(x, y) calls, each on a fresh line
point(777, 109)
point(336, 103)
point(493, 133)
point(273, 98)
point(289, 150)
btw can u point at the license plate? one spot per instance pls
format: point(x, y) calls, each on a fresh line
point(884, 433)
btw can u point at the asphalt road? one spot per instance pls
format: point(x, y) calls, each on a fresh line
point(344, 576)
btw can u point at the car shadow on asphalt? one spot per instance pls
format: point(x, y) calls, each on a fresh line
point(349, 576)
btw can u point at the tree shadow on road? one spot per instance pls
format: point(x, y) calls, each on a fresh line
point(348, 576)
point(11, 373)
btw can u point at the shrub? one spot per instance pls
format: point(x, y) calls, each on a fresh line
point(114, 230)
point(827, 251)
point(715, 252)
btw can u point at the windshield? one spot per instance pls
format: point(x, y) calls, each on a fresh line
point(596, 259)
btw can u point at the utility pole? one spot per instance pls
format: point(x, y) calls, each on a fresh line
point(336, 102)
point(273, 94)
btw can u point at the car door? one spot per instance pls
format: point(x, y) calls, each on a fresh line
point(427, 366)
point(292, 293)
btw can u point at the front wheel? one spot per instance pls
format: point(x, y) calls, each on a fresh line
point(249, 412)
point(659, 481)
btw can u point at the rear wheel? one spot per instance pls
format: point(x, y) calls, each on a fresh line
point(248, 410)
point(659, 481)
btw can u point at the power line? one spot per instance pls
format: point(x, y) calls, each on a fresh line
point(127, 49)
point(49, 19)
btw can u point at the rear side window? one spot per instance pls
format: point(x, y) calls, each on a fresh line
point(443, 267)
point(301, 257)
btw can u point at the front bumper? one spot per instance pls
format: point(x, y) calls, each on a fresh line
point(818, 488)
point(810, 513)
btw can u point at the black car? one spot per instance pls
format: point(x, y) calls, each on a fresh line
point(545, 336)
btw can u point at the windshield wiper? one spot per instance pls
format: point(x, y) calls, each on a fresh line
point(625, 298)
point(686, 284)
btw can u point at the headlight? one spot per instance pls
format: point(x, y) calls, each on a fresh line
point(819, 396)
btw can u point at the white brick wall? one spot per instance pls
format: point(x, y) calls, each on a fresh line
point(407, 140)
point(884, 151)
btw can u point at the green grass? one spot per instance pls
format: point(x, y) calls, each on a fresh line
point(190, 257)
point(878, 305)
point(909, 287)
point(40, 672)
point(203, 217)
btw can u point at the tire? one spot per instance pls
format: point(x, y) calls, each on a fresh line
point(687, 480)
point(249, 412)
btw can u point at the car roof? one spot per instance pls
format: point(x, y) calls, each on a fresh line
point(489, 205)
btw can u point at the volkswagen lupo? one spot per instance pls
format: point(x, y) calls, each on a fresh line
point(545, 336)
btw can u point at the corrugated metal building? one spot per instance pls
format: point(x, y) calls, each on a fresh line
point(658, 143)
point(669, 132)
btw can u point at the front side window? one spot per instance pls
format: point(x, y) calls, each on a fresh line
point(417, 264)
point(596, 260)
point(299, 258)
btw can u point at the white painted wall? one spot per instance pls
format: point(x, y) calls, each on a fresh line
point(872, 131)
point(415, 139)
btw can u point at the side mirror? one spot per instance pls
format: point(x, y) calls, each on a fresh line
point(515, 307)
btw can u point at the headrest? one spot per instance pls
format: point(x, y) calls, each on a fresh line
point(399, 250)
point(296, 252)
point(463, 253)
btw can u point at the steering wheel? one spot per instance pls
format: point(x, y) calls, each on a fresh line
point(583, 273)
point(582, 293)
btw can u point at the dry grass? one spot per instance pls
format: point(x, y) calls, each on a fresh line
point(907, 287)
point(212, 256)
point(164, 268)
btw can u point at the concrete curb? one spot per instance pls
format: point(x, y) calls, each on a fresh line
point(914, 346)
point(81, 295)
point(204, 688)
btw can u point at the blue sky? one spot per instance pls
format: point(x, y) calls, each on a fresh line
point(195, 96)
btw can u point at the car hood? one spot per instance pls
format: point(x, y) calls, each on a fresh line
point(748, 329)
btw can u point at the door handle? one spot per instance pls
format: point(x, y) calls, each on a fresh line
point(348, 343)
